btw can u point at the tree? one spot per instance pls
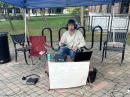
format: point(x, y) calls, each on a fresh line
point(5, 8)
point(74, 10)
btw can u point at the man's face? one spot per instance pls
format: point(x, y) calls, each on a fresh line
point(71, 27)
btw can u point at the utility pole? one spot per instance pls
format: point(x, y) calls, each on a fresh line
point(82, 16)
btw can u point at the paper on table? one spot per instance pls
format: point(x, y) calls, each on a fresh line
point(68, 74)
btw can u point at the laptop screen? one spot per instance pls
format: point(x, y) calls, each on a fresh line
point(83, 56)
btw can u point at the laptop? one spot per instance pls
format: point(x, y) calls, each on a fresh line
point(83, 56)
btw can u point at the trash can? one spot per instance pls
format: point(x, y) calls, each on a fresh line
point(4, 48)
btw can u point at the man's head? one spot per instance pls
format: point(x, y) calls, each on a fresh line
point(71, 25)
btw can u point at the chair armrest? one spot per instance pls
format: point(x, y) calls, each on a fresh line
point(48, 45)
point(124, 44)
point(105, 43)
point(81, 49)
point(28, 47)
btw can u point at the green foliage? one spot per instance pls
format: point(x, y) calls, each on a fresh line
point(35, 25)
point(1, 4)
point(74, 10)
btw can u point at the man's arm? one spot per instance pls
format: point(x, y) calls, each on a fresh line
point(81, 41)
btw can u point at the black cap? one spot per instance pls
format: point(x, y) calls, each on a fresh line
point(71, 21)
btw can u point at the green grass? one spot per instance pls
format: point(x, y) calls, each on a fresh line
point(36, 24)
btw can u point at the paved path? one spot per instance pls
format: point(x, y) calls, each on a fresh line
point(112, 79)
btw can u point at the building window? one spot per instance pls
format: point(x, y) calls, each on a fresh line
point(100, 10)
point(124, 7)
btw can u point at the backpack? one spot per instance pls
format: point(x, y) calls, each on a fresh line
point(92, 75)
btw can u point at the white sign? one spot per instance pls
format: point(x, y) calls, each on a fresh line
point(67, 74)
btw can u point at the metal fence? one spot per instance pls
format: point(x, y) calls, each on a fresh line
point(118, 23)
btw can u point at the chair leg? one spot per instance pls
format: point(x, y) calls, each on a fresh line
point(46, 56)
point(16, 56)
point(123, 53)
point(46, 68)
point(25, 57)
point(40, 58)
point(102, 55)
point(47, 73)
point(105, 53)
point(32, 60)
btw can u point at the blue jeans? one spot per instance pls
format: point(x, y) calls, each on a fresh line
point(66, 51)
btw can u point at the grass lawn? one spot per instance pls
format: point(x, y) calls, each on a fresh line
point(36, 24)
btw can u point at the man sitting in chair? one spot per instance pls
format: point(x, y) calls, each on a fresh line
point(71, 40)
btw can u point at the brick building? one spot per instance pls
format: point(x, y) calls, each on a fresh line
point(119, 8)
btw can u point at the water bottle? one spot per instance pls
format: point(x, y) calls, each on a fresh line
point(49, 57)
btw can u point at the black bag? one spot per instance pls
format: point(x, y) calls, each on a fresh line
point(31, 79)
point(92, 75)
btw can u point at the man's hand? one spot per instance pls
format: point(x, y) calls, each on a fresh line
point(62, 45)
point(74, 49)
point(62, 42)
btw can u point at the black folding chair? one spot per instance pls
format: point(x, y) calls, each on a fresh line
point(118, 45)
point(19, 45)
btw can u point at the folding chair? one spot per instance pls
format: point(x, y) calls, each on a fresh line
point(38, 48)
point(19, 45)
point(118, 45)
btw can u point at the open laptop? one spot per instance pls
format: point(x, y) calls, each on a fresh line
point(83, 56)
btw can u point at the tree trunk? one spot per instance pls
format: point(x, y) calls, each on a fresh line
point(44, 17)
point(29, 17)
point(10, 22)
point(82, 16)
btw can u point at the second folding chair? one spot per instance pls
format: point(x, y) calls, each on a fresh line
point(38, 48)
